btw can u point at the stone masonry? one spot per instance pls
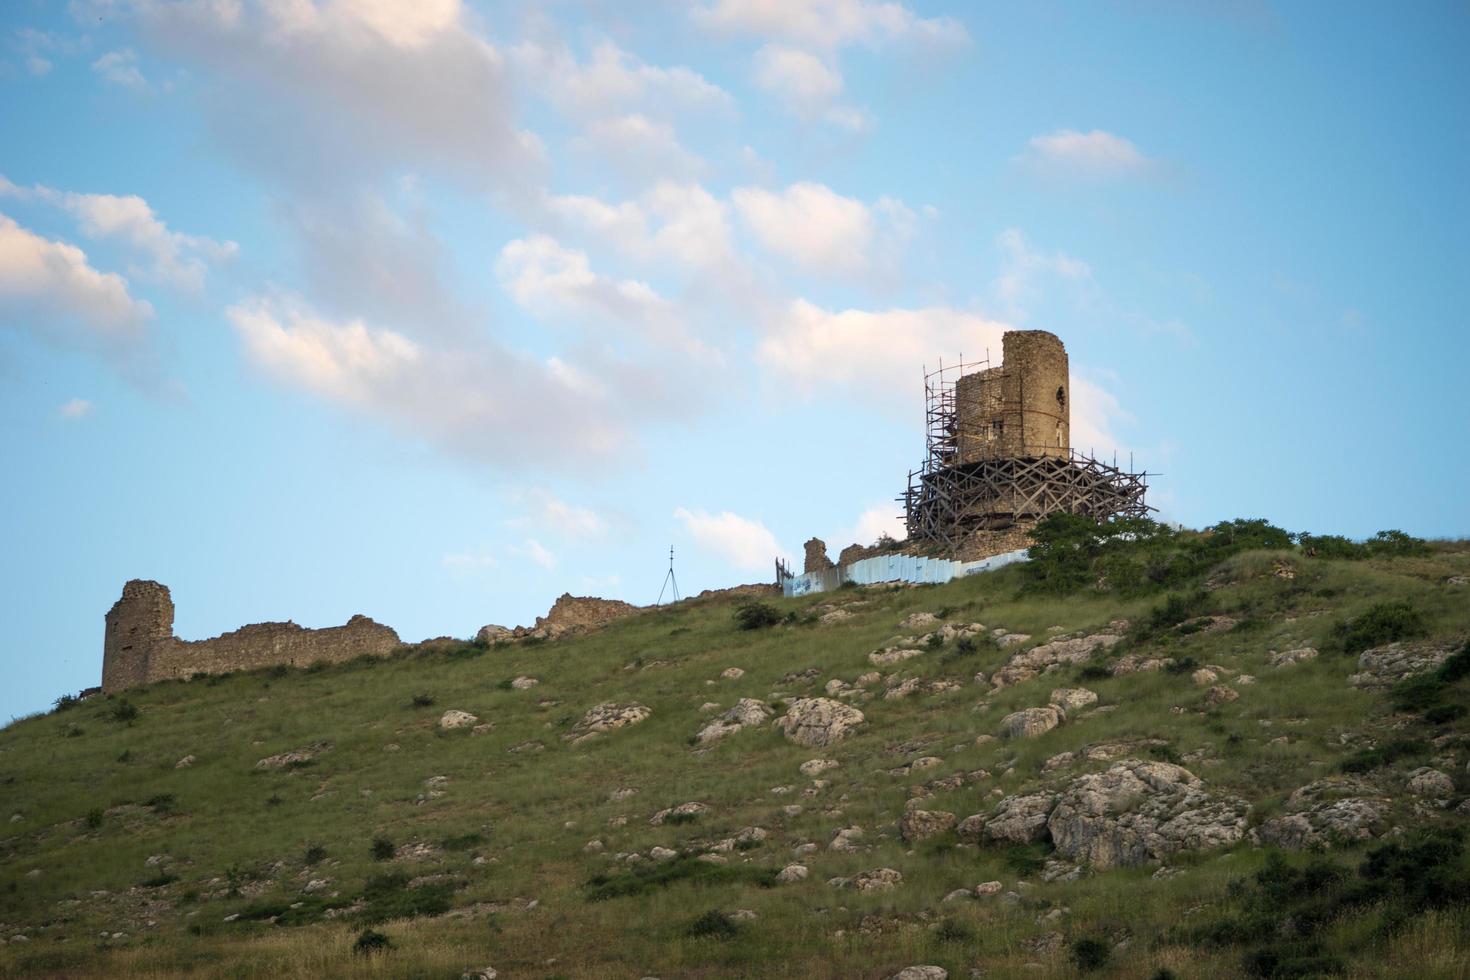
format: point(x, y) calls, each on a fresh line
point(816, 557)
point(139, 646)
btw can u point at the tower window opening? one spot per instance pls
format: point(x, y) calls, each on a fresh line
point(1061, 397)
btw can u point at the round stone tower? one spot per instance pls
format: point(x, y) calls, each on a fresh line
point(1022, 408)
point(140, 621)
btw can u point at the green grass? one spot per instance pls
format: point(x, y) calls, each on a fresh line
point(502, 850)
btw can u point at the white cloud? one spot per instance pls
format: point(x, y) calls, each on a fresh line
point(819, 229)
point(320, 92)
point(533, 550)
point(121, 68)
point(681, 222)
point(612, 79)
point(876, 351)
point(808, 86)
point(639, 148)
point(175, 258)
point(746, 544)
point(42, 280)
point(828, 23)
point(886, 518)
point(1095, 411)
point(76, 408)
point(485, 403)
point(1069, 153)
point(1024, 269)
point(569, 519)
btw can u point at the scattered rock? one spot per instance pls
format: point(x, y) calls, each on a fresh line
point(1220, 694)
point(1138, 811)
point(492, 634)
point(877, 880)
point(607, 717)
point(815, 767)
point(454, 718)
point(1050, 656)
point(296, 757)
point(524, 683)
point(1031, 722)
point(1383, 667)
point(185, 762)
point(662, 854)
point(792, 873)
point(1073, 698)
point(818, 722)
point(918, 621)
point(917, 825)
point(489, 972)
point(1288, 657)
point(1204, 677)
point(846, 839)
point(1431, 783)
point(834, 617)
point(1020, 819)
point(684, 811)
point(732, 673)
point(988, 888)
point(747, 712)
point(1337, 821)
point(921, 973)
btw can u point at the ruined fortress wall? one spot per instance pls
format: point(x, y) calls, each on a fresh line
point(1022, 408)
point(139, 646)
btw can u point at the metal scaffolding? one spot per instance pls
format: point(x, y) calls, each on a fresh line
point(948, 499)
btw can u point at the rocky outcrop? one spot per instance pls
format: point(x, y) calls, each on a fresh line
point(492, 634)
point(917, 825)
point(571, 614)
point(607, 717)
point(454, 718)
point(1054, 655)
point(1031, 722)
point(817, 722)
point(1334, 810)
point(1073, 698)
point(1383, 667)
point(747, 712)
point(1017, 819)
point(1141, 811)
point(816, 559)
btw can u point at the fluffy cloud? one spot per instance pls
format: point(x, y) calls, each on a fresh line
point(819, 229)
point(873, 523)
point(807, 85)
point(76, 408)
point(172, 257)
point(1095, 412)
point(746, 544)
point(121, 68)
point(50, 287)
point(809, 346)
point(612, 80)
point(681, 222)
point(320, 92)
point(484, 403)
point(1068, 153)
point(639, 148)
point(828, 23)
point(534, 551)
point(1025, 269)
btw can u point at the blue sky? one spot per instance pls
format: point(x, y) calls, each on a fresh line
point(434, 310)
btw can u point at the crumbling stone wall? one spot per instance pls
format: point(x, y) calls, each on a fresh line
point(816, 557)
point(1021, 408)
point(575, 614)
point(139, 646)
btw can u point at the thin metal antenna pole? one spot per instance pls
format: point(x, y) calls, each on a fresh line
point(669, 580)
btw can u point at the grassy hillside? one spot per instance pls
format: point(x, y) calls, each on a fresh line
point(471, 849)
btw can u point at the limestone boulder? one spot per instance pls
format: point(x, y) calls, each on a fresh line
point(1073, 698)
point(1020, 819)
point(818, 722)
point(1330, 811)
point(1031, 722)
point(1431, 783)
point(1383, 667)
point(1288, 657)
point(917, 825)
point(454, 718)
point(492, 634)
point(1138, 811)
point(921, 973)
point(1050, 656)
point(747, 712)
point(608, 717)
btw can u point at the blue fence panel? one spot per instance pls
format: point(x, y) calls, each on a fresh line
point(895, 568)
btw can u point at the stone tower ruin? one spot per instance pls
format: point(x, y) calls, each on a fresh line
point(139, 646)
point(999, 449)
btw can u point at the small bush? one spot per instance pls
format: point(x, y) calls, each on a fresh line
point(1332, 546)
point(388, 897)
point(315, 854)
point(93, 819)
point(278, 671)
point(714, 924)
point(1387, 622)
point(423, 700)
point(371, 941)
point(274, 800)
point(755, 615)
point(650, 876)
point(950, 931)
point(124, 711)
point(1094, 672)
point(382, 849)
point(678, 818)
point(462, 842)
point(64, 702)
point(1383, 755)
point(1090, 954)
point(159, 880)
point(935, 641)
point(74, 731)
point(1396, 544)
point(161, 802)
point(125, 756)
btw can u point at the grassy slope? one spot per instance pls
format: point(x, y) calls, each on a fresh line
point(63, 881)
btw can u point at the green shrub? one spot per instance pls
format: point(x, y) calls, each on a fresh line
point(713, 924)
point(382, 849)
point(371, 941)
point(1333, 546)
point(951, 931)
point(315, 854)
point(1386, 754)
point(1386, 622)
point(161, 802)
point(64, 702)
point(1396, 544)
point(462, 842)
point(93, 819)
point(754, 615)
point(423, 700)
point(650, 876)
point(123, 711)
point(1090, 954)
point(388, 897)
point(159, 880)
